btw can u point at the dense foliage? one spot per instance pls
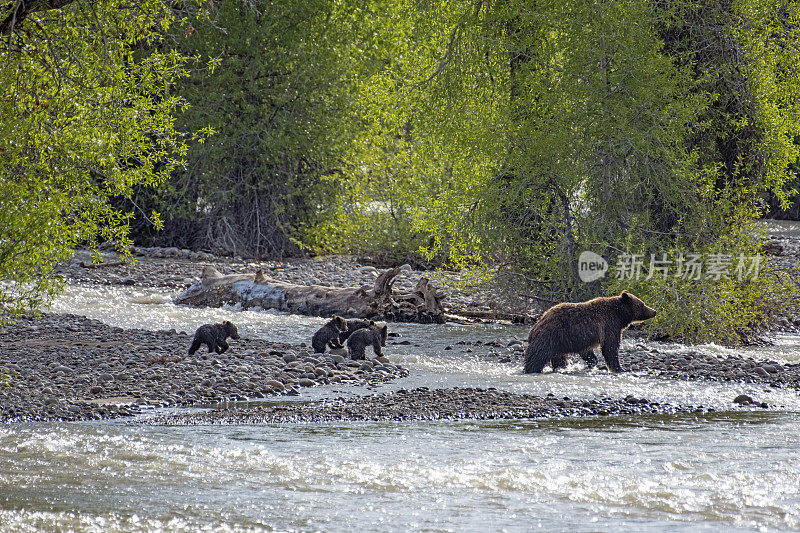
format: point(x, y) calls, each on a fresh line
point(521, 134)
point(277, 100)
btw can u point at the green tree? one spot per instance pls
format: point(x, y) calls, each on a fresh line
point(514, 135)
point(278, 102)
point(86, 113)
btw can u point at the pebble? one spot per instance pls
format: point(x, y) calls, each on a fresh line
point(275, 384)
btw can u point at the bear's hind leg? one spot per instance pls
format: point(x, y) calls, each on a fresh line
point(589, 358)
point(318, 345)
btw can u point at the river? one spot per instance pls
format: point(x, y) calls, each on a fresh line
point(733, 469)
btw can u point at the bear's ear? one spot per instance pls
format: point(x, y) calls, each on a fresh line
point(385, 328)
point(371, 322)
point(625, 295)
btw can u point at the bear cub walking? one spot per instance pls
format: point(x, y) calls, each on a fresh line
point(360, 339)
point(329, 334)
point(213, 336)
point(580, 328)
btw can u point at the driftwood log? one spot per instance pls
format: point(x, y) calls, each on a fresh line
point(379, 302)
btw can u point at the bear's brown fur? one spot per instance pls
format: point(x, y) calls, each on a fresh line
point(361, 338)
point(580, 328)
point(328, 334)
point(352, 326)
point(213, 336)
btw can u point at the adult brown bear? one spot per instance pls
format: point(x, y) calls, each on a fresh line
point(580, 328)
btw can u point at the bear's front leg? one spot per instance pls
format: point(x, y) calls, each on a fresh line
point(611, 352)
point(589, 358)
point(335, 344)
point(559, 361)
point(222, 346)
point(376, 346)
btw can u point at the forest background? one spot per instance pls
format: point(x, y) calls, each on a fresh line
point(501, 138)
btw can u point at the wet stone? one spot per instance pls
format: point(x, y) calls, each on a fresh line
point(744, 399)
point(761, 372)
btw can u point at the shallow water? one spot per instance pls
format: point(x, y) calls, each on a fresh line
point(731, 470)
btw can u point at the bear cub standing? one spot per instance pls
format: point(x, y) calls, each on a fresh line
point(213, 336)
point(328, 334)
point(352, 326)
point(360, 339)
point(580, 328)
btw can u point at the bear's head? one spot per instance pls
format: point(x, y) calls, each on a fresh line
point(339, 323)
point(231, 330)
point(638, 309)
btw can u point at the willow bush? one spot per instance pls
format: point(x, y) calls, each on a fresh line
point(86, 114)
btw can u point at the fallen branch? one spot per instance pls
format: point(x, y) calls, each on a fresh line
point(101, 265)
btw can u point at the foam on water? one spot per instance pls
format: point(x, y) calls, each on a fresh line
point(691, 473)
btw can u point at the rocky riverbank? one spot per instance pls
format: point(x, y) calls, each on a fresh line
point(428, 404)
point(67, 367)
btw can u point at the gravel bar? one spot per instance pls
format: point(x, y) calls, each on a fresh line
point(427, 404)
point(68, 367)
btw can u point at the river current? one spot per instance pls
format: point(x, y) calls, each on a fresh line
point(734, 469)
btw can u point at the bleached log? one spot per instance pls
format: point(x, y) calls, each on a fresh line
point(379, 302)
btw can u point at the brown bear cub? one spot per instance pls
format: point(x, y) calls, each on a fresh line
point(213, 336)
point(352, 326)
point(580, 328)
point(328, 334)
point(360, 339)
